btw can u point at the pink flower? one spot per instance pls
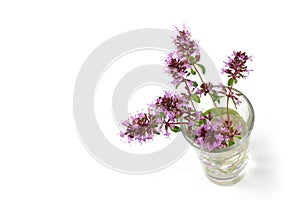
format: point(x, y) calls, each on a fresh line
point(135, 126)
point(122, 134)
point(192, 123)
point(167, 133)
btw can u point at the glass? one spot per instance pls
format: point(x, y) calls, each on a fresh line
point(227, 166)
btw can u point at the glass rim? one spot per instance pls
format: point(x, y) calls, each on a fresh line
point(241, 141)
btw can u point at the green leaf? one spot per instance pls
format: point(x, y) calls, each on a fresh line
point(230, 82)
point(199, 122)
point(238, 137)
point(221, 111)
point(176, 129)
point(192, 60)
point(195, 84)
point(202, 68)
point(231, 143)
point(234, 103)
point(219, 98)
point(193, 72)
point(196, 98)
point(177, 85)
point(214, 94)
point(235, 81)
point(216, 97)
point(161, 115)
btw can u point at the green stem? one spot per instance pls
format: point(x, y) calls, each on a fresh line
point(204, 83)
point(178, 123)
point(189, 94)
point(227, 109)
point(227, 103)
point(208, 92)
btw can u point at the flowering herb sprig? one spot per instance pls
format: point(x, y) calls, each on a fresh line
point(170, 112)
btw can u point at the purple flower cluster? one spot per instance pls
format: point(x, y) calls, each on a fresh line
point(209, 134)
point(236, 67)
point(170, 112)
point(205, 88)
point(140, 127)
point(230, 94)
point(179, 62)
point(185, 46)
point(177, 68)
point(162, 116)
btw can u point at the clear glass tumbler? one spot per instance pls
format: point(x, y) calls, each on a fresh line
point(227, 166)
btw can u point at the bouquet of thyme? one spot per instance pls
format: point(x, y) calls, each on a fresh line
point(212, 129)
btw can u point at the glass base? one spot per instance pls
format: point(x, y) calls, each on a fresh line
point(225, 182)
point(228, 181)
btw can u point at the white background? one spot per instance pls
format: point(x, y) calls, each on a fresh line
point(42, 47)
